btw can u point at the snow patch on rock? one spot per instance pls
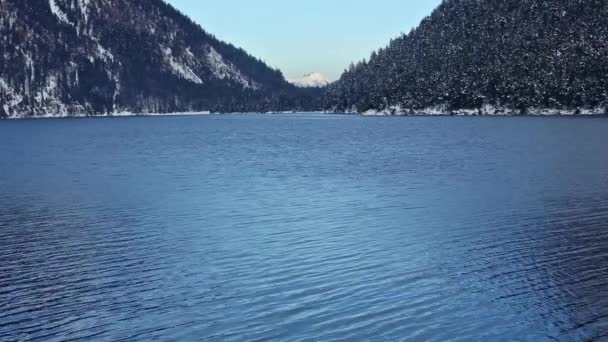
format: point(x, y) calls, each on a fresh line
point(226, 70)
point(12, 100)
point(84, 9)
point(180, 69)
point(58, 12)
point(102, 52)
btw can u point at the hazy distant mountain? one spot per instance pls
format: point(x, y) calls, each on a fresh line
point(63, 57)
point(488, 57)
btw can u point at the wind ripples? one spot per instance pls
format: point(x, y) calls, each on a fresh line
point(245, 228)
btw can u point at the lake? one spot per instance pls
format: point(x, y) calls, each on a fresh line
point(304, 228)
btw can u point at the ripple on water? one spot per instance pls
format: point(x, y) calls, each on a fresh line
point(240, 228)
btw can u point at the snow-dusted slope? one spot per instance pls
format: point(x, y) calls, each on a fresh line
point(492, 57)
point(66, 57)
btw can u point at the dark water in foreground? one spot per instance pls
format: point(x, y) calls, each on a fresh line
point(304, 228)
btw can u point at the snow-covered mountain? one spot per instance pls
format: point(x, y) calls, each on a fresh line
point(68, 57)
point(488, 57)
point(313, 79)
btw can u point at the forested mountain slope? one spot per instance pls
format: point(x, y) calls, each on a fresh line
point(67, 57)
point(488, 57)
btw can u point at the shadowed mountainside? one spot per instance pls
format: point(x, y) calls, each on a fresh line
point(67, 57)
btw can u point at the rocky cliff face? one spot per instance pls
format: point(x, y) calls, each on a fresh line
point(75, 57)
point(488, 57)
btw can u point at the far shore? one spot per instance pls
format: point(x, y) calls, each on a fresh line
point(543, 112)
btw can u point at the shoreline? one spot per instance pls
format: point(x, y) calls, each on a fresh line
point(384, 113)
point(130, 115)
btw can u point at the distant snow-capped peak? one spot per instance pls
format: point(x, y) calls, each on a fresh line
point(314, 79)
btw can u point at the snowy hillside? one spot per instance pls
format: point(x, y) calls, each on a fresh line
point(488, 57)
point(67, 57)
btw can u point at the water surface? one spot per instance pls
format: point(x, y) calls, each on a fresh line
point(304, 228)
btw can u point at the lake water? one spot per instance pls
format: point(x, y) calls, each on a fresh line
point(304, 228)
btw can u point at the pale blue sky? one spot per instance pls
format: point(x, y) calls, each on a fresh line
point(303, 36)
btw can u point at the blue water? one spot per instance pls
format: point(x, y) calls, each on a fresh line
point(304, 228)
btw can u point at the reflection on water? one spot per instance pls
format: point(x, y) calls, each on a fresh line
point(304, 227)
